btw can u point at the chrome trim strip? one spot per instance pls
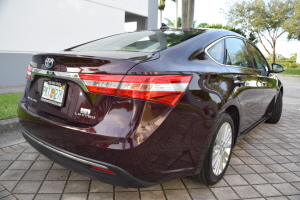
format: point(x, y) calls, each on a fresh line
point(66, 155)
point(64, 75)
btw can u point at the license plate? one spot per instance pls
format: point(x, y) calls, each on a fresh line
point(54, 93)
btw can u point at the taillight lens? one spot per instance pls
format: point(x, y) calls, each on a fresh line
point(162, 89)
point(165, 89)
point(99, 83)
point(29, 70)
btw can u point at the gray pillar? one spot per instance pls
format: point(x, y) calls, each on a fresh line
point(151, 21)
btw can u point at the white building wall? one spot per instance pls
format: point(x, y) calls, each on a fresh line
point(52, 25)
point(138, 7)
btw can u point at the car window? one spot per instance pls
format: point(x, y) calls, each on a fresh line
point(261, 63)
point(217, 52)
point(237, 53)
point(142, 41)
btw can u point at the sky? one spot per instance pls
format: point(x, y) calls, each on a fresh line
point(210, 11)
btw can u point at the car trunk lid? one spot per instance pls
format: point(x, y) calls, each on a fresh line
point(56, 91)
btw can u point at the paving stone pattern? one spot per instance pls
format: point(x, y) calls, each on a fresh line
point(264, 165)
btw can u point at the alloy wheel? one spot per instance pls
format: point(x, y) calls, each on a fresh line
point(221, 149)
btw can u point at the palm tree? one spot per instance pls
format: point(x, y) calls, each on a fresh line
point(188, 7)
point(161, 7)
point(185, 15)
point(191, 7)
point(173, 23)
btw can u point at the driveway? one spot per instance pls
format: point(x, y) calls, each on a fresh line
point(265, 165)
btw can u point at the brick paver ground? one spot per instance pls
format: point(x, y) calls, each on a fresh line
point(265, 165)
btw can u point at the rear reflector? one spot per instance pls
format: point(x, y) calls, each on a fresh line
point(103, 170)
point(29, 70)
point(165, 89)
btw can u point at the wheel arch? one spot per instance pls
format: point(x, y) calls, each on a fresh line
point(235, 114)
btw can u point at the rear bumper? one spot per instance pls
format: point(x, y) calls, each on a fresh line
point(82, 165)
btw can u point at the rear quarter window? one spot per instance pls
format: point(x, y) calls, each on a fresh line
point(217, 52)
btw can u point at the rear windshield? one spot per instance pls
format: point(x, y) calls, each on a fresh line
point(143, 41)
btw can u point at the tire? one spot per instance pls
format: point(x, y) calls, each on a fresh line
point(277, 110)
point(212, 171)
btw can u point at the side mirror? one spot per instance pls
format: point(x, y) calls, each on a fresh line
point(276, 68)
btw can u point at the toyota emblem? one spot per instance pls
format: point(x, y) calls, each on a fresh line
point(49, 62)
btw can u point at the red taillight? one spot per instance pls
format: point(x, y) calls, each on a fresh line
point(102, 169)
point(99, 83)
point(165, 89)
point(29, 70)
point(162, 89)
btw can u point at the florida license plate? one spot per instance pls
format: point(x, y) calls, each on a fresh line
point(54, 93)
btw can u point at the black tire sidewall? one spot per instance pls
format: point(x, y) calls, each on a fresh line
point(212, 178)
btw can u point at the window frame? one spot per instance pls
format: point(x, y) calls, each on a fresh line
point(225, 52)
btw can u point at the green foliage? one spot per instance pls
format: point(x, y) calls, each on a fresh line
point(292, 25)
point(179, 22)
point(172, 23)
point(279, 56)
point(292, 71)
point(260, 15)
point(161, 5)
point(293, 56)
point(176, 38)
point(221, 26)
point(8, 105)
point(202, 25)
point(286, 63)
point(264, 18)
point(206, 25)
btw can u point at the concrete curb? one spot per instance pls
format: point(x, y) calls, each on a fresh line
point(10, 132)
point(9, 125)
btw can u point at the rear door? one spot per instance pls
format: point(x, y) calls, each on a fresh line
point(247, 81)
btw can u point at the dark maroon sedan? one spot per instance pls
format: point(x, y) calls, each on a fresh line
point(139, 109)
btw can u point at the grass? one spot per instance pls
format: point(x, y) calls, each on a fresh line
point(8, 105)
point(292, 71)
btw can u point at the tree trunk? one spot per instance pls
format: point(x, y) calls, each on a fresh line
point(184, 21)
point(273, 54)
point(176, 18)
point(191, 8)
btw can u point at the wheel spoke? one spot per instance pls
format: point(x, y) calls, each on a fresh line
point(227, 144)
point(225, 131)
point(215, 158)
point(218, 163)
point(228, 135)
point(224, 161)
point(221, 164)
